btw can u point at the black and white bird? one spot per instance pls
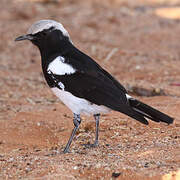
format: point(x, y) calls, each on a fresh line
point(80, 83)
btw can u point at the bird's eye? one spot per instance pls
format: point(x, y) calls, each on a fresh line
point(44, 33)
point(51, 29)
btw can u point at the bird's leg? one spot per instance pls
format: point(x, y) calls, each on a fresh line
point(77, 122)
point(96, 117)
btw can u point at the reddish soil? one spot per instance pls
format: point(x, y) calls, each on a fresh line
point(132, 40)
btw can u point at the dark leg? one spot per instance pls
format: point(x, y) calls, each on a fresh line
point(76, 121)
point(97, 116)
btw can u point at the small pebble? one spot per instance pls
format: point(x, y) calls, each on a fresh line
point(116, 174)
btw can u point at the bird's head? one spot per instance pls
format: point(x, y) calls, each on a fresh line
point(45, 34)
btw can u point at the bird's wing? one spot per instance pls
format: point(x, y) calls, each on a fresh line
point(85, 64)
point(86, 79)
point(92, 87)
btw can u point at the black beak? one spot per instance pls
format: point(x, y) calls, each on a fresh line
point(24, 37)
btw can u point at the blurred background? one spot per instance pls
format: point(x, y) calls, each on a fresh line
point(137, 41)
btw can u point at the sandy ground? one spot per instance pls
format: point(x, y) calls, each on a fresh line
point(138, 42)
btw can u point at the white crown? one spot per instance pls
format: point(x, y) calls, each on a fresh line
point(46, 24)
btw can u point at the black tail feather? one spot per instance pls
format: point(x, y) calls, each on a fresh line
point(136, 115)
point(149, 112)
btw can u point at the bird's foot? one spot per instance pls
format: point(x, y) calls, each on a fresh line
point(65, 151)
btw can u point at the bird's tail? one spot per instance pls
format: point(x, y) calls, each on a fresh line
point(149, 112)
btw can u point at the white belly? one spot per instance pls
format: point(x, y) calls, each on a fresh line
point(79, 105)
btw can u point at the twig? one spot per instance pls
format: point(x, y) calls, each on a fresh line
point(110, 54)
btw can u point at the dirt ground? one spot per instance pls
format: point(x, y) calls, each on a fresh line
point(139, 43)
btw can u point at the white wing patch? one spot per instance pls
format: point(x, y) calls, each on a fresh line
point(46, 24)
point(128, 96)
point(59, 67)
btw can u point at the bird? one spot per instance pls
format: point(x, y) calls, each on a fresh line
point(80, 82)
